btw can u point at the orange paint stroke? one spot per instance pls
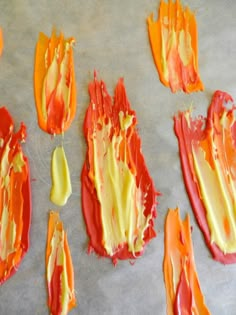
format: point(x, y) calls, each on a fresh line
point(118, 194)
point(173, 39)
point(59, 268)
point(208, 157)
point(54, 83)
point(1, 41)
point(183, 291)
point(15, 197)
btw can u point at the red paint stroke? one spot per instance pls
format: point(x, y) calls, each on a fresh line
point(183, 291)
point(15, 197)
point(174, 44)
point(54, 83)
point(213, 138)
point(101, 116)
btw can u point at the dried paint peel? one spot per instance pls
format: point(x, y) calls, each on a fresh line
point(183, 291)
point(54, 83)
point(208, 157)
point(118, 194)
point(15, 197)
point(61, 184)
point(173, 39)
point(55, 96)
point(59, 268)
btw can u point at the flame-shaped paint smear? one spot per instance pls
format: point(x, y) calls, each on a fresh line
point(59, 268)
point(54, 83)
point(173, 39)
point(1, 41)
point(183, 291)
point(15, 197)
point(208, 156)
point(118, 194)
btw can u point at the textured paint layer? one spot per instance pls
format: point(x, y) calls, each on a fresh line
point(208, 156)
point(1, 41)
point(173, 39)
point(183, 291)
point(59, 268)
point(118, 194)
point(61, 184)
point(54, 83)
point(15, 197)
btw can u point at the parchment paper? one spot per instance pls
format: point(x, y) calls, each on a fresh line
point(112, 38)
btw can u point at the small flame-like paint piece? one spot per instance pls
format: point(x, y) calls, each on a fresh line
point(183, 291)
point(59, 268)
point(15, 197)
point(61, 183)
point(1, 41)
point(174, 44)
point(54, 83)
point(118, 194)
point(208, 156)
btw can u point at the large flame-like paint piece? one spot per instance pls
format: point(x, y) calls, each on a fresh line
point(183, 291)
point(54, 83)
point(59, 268)
point(174, 44)
point(208, 157)
point(118, 194)
point(15, 197)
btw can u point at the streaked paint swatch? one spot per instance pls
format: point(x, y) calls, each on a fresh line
point(118, 194)
point(174, 44)
point(183, 292)
point(208, 156)
point(59, 268)
point(15, 197)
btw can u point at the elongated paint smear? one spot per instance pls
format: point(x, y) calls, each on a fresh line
point(208, 157)
point(183, 291)
point(15, 197)
point(174, 44)
point(1, 41)
point(61, 184)
point(118, 194)
point(59, 268)
point(54, 83)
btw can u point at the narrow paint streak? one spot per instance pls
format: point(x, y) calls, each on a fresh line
point(1, 41)
point(15, 197)
point(54, 83)
point(183, 290)
point(208, 157)
point(118, 194)
point(59, 268)
point(173, 39)
point(61, 183)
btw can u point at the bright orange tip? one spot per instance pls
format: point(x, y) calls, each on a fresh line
point(54, 83)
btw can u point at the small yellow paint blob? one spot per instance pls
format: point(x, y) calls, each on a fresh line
point(61, 184)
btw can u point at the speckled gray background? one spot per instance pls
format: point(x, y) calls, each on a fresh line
point(112, 38)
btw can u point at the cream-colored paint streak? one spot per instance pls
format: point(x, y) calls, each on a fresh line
point(122, 202)
point(61, 183)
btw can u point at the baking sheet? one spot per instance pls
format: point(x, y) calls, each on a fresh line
point(112, 38)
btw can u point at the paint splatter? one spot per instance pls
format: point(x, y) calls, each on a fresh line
point(54, 83)
point(15, 197)
point(208, 157)
point(118, 194)
point(59, 268)
point(174, 44)
point(183, 291)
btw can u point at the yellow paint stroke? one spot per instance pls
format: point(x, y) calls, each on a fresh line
point(61, 183)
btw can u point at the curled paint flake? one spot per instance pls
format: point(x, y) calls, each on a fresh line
point(208, 158)
point(118, 194)
point(54, 83)
point(59, 268)
point(15, 197)
point(183, 291)
point(173, 39)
